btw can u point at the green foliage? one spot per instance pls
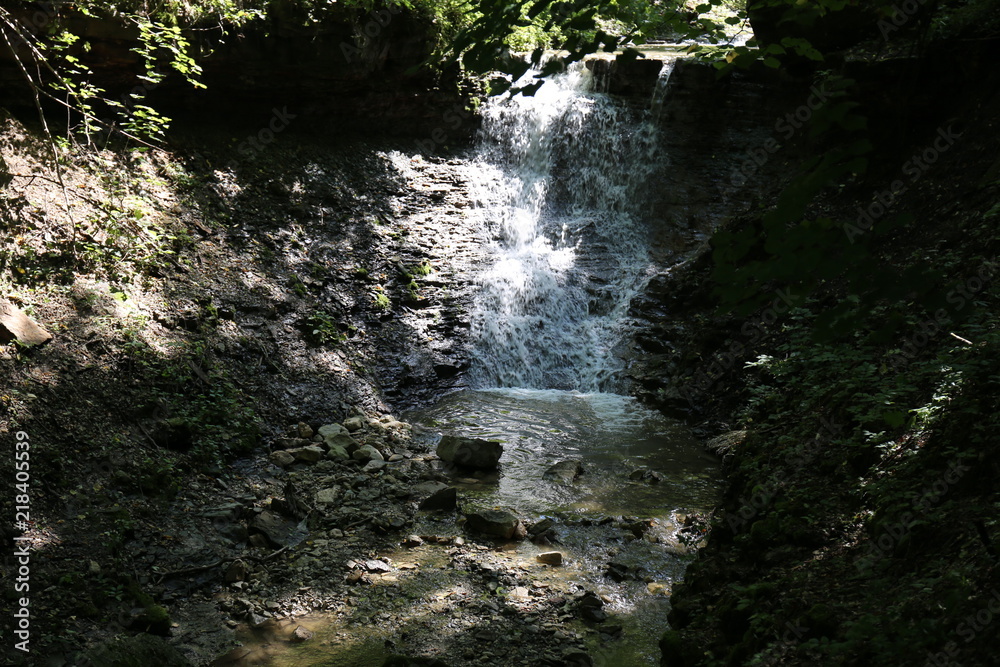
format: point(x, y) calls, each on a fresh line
point(205, 407)
point(577, 27)
point(322, 329)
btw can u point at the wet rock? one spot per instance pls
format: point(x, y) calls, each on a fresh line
point(565, 472)
point(617, 571)
point(367, 453)
point(445, 371)
point(550, 557)
point(412, 541)
point(470, 452)
point(374, 466)
point(542, 526)
point(497, 523)
point(591, 608)
point(648, 476)
point(640, 527)
point(304, 430)
point(16, 325)
point(655, 588)
point(300, 634)
point(441, 497)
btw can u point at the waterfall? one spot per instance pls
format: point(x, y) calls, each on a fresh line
point(564, 175)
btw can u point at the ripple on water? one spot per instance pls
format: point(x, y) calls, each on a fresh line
point(612, 435)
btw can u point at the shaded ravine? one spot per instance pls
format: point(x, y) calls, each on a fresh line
point(560, 185)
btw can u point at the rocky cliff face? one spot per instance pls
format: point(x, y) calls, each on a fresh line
point(726, 142)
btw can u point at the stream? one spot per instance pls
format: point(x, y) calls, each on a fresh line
point(558, 183)
point(560, 207)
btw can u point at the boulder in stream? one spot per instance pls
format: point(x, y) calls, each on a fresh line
point(438, 496)
point(470, 452)
point(497, 523)
point(565, 472)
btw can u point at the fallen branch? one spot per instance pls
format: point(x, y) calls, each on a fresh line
point(221, 561)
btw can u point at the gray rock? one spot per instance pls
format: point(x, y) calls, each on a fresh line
point(542, 526)
point(367, 453)
point(374, 466)
point(331, 430)
point(377, 565)
point(292, 443)
point(281, 458)
point(353, 424)
point(470, 452)
point(310, 454)
point(645, 475)
point(565, 472)
point(497, 523)
point(425, 489)
point(338, 453)
point(279, 531)
point(327, 496)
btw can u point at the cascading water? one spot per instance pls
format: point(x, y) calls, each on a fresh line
point(559, 182)
point(564, 174)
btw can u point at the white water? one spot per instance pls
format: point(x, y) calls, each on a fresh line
point(560, 182)
point(563, 174)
